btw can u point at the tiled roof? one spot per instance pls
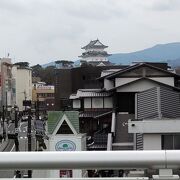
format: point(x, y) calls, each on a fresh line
point(94, 114)
point(90, 93)
point(94, 43)
point(55, 116)
point(94, 54)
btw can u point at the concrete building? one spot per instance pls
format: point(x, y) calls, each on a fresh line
point(7, 83)
point(23, 84)
point(157, 121)
point(44, 95)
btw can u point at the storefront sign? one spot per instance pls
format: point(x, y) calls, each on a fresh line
point(65, 145)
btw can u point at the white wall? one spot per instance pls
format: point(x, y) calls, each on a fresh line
point(23, 78)
point(165, 80)
point(76, 103)
point(97, 102)
point(95, 59)
point(80, 145)
point(142, 85)
point(108, 84)
point(108, 102)
point(87, 102)
point(151, 141)
point(121, 81)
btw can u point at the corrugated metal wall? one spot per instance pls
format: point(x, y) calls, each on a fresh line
point(170, 103)
point(139, 141)
point(147, 104)
point(158, 102)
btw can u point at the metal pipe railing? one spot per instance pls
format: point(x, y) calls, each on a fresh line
point(90, 160)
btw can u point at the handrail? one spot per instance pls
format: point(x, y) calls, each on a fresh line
point(90, 160)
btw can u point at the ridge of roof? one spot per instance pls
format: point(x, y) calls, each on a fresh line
point(145, 78)
point(129, 68)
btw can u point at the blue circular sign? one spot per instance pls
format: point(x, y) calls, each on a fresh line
point(65, 145)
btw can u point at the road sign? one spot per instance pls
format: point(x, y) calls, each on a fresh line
point(16, 130)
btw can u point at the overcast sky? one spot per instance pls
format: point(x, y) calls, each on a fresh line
point(40, 31)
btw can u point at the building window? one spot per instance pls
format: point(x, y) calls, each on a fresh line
point(170, 141)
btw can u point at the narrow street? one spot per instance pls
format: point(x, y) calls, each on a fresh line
point(23, 144)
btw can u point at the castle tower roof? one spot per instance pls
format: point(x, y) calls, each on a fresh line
point(94, 44)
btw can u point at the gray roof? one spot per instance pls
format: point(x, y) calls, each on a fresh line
point(136, 66)
point(94, 114)
point(94, 44)
point(90, 93)
point(94, 54)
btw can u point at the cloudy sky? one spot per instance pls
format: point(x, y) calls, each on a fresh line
point(40, 31)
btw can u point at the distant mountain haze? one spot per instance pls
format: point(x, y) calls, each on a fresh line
point(169, 53)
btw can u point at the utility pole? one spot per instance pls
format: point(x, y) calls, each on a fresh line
point(29, 138)
point(16, 141)
point(37, 108)
point(16, 131)
point(3, 118)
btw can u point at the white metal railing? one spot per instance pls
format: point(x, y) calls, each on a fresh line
point(113, 122)
point(166, 160)
point(90, 160)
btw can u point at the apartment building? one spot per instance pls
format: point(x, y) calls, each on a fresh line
point(23, 84)
point(7, 83)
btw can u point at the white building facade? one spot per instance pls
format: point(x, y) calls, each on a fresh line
point(23, 84)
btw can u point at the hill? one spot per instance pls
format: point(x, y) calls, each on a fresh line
point(160, 53)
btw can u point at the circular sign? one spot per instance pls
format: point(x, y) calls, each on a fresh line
point(65, 145)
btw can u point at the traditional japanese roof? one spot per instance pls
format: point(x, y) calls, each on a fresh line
point(54, 117)
point(94, 54)
point(136, 66)
point(94, 114)
point(94, 44)
point(90, 93)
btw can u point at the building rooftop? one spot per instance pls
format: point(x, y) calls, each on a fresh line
point(55, 116)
